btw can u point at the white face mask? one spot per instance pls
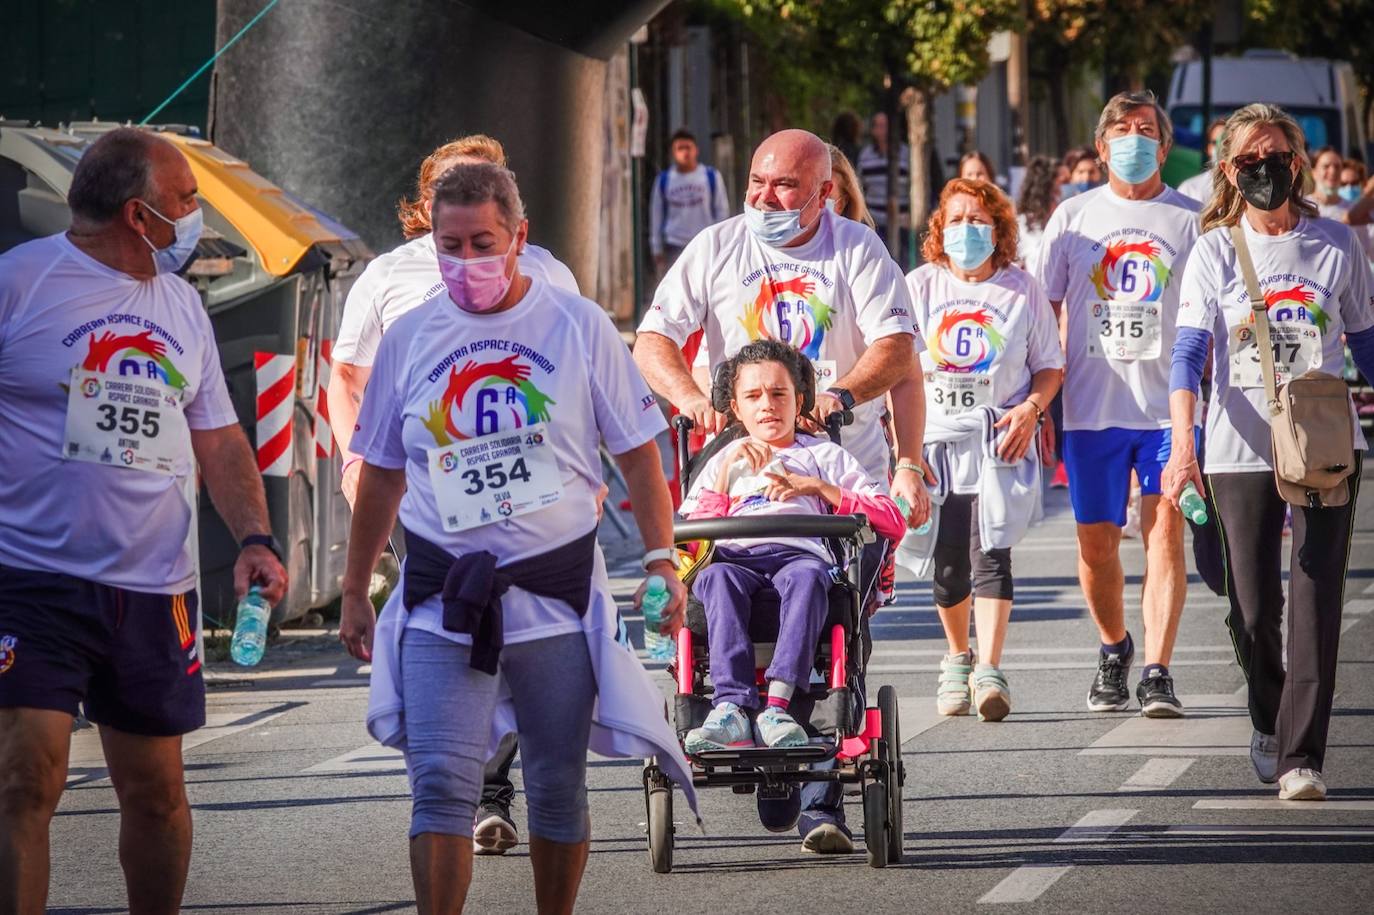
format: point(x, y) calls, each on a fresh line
point(775, 228)
point(187, 229)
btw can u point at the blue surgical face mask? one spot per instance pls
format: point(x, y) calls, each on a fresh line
point(775, 228)
point(1349, 192)
point(968, 244)
point(188, 228)
point(1134, 157)
point(1070, 188)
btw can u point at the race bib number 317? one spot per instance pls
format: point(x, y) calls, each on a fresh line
point(1295, 345)
point(488, 479)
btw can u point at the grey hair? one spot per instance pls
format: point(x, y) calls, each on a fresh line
point(1121, 104)
point(472, 184)
point(113, 170)
point(1226, 204)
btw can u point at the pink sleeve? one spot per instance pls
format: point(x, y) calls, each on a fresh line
point(712, 504)
point(884, 514)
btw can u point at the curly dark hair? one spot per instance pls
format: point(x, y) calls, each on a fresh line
point(798, 366)
point(1038, 192)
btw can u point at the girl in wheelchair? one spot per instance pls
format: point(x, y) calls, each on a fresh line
point(773, 469)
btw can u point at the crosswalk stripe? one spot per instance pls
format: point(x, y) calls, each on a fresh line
point(1160, 772)
point(1028, 882)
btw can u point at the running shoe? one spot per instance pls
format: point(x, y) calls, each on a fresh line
point(1060, 480)
point(780, 730)
point(1264, 756)
point(1109, 692)
point(493, 832)
point(824, 835)
point(1157, 699)
point(726, 727)
point(991, 694)
point(952, 696)
point(1302, 785)
point(780, 814)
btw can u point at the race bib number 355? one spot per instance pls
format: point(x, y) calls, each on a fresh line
point(1123, 330)
point(488, 479)
point(130, 422)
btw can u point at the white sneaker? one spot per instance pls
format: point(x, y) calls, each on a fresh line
point(727, 726)
point(1264, 756)
point(1132, 529)
point(779, 729)
point(1302, 785)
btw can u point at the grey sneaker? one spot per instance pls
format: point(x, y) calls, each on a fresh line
point(779, 729)
point(1264, 756)
point(952, 697)
point(726, 727)
point(1302, 785)
point(991, 694)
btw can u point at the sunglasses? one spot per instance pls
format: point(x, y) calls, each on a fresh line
point(1247, 161)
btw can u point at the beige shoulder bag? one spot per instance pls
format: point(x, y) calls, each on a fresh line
point(1312, 430)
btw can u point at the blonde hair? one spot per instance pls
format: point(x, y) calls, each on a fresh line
point(851, 204)
point(1226, 204)
point(413, 212)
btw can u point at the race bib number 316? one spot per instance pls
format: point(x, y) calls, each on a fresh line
point(488, 479)
point(130, 422)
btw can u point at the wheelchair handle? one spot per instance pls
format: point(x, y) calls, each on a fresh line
point(682, 426)
point(852, 527)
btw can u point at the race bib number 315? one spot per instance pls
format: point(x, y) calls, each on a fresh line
point(1123, 330)
point(130, 422)
point(488, 479)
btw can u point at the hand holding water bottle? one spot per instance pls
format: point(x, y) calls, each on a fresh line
point(250, 629)
point(662, 599)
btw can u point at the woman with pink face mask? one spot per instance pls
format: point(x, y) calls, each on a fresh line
point(480, 429)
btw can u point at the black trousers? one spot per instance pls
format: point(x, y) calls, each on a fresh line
point(961, 566)
point(1295, 705)
point(496, 785)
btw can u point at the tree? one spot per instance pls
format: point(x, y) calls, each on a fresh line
point(1335, 29)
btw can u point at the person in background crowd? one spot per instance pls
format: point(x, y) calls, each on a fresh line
point(846, 134)
point(503, 618)
point(975, 166)
point(1085, 171)
point(98, 606)
point(1353, 176)
point(846, 195)
point(872, 166)
point(1039, 197)
point(1317, 288)
point(992, 344)
point(685, 199)
point(1327, 170)
point(392, 285)
point(1199, 187)
point(1109, 262)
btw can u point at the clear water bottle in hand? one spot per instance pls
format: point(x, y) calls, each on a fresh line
point(1193, 506)
point(250, 631)
point(658, 646)
point(905, 509)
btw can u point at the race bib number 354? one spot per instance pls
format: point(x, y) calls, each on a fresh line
point(130, 422)
point(488, 479)
point(1123, 330)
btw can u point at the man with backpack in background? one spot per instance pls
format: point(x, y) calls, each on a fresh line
point(686, 198)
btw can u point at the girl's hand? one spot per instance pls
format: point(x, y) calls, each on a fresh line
point(1019, 422)
point(785, 487)
point(757, 454)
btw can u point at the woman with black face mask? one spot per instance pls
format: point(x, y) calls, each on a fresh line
point(1316, 285)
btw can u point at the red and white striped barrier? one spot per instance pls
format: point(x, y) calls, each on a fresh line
point(324, 435)
point(276, 376)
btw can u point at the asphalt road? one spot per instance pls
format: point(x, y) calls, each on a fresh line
point(1055, 809)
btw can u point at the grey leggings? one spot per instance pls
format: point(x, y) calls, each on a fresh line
point(961, 566)
point(449, 708)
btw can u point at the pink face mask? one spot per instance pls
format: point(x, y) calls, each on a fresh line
point(476, 284)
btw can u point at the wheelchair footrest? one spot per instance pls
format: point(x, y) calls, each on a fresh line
point(766, 757)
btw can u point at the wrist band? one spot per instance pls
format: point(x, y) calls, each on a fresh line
point(664, 553)
point(1039, 413)
point(907, 465)
point(347, 464)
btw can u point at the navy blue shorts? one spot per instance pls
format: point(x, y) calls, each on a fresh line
point(128, 657)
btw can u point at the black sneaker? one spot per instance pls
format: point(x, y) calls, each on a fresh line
point(1109, 692)
point(1157, 699)
point(494, 833)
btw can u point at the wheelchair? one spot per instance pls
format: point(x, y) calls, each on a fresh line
point(864, 741)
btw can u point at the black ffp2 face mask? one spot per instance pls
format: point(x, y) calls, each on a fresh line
point(1265, 184)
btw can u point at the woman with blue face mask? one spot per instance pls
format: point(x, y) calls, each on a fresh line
point(992, 364)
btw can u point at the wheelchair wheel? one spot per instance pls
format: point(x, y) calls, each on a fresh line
point(661, 829)
point(875, 823)
point(892, 737)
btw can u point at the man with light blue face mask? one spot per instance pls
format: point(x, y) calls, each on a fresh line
point(1110, 262)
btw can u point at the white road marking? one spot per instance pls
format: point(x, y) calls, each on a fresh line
point(1028, 882)
point(1369, 588)
point(341, 681)
point(1041, 665)
point(1213, 725)
point(1160, 772)
point(1257, 803)
point(372, 757)
point(1365, 831)
point(1359, 606)
point(916, 715)
point(1090, 653)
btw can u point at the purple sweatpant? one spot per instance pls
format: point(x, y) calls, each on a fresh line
point(726, 589)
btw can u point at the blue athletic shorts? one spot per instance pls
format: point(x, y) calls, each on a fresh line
point(1100, 462)
point(128, 657)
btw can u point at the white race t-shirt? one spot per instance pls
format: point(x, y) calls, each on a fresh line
point(809, 456)
point(102, 522)
point(407, 277)
point(1198, 187)
point(831, 297)
point(1317, 289)
point(1363, 234)
point(984, 340)
point(553, 366)
point(1115, 264)
point(681, 204)
point(1027, 242)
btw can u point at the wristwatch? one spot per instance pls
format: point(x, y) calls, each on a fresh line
point(845, 398)
point(664, 553)
point(266, 540)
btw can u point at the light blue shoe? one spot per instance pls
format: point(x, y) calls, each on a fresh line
point(780, 730)
point(725, 728)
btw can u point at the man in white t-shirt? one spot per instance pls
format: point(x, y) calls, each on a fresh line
point(113, 398)
point(789, 269)
point(1110, 262)
point(685, 199)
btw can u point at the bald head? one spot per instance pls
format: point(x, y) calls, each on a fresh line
point(798, 152)
point(791, 171)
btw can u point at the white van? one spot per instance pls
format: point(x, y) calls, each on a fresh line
point(1322, 95)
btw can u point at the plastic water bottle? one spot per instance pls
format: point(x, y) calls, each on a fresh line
point(1193, 506)
point(658, 646)
point(250, 631)
point(905, 509)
